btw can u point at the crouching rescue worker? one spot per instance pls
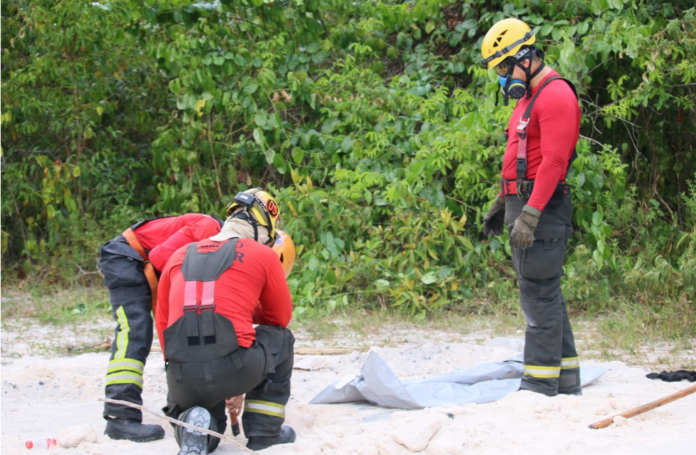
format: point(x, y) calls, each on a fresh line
point(534, 200)
point(130, 263)
point(210, 294)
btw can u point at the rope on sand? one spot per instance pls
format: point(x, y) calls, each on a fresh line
point(180, 423)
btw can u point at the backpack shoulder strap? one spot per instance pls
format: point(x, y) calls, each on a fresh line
point(528, 111)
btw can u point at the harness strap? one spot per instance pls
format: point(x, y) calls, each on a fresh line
point(190, 312)
point(190, 301)
point(510, 187)
point(208, 297)
point(208, 310)
point(207, 307)
point(522, 138)
point(148, 268)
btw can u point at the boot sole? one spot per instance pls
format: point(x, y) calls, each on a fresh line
point(195, 442)
point(117, 434)
point(155, 437)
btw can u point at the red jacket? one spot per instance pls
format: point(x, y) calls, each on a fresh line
point(161, 237)
point(552, 133)
point(252, 291)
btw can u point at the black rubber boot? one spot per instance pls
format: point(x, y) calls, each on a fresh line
point(577, 392)
point(548, 387)
point(569, 382)
point(193, 442)
point(286, 436)
point(132, 430)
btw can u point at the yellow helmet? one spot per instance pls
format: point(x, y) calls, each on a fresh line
point(285, 248)
point(504, 40)
point(259, 208)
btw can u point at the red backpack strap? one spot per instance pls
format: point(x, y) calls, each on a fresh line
point(190, 300)
point(208, 297)
point(208, 310)
point(190, 309)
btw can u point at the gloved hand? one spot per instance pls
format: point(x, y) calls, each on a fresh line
point(522, 235)
point(493, 221)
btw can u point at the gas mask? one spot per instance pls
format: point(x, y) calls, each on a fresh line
point(512, 88)
point(517, 88)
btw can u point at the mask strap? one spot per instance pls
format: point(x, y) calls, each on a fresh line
point(508, 80)
point(537, 71)
point(528, 73)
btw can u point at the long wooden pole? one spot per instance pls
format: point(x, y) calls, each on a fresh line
point(645, 408)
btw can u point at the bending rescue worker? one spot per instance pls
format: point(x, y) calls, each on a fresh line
point(534, 200)
point(130, 264)
point(210, 294)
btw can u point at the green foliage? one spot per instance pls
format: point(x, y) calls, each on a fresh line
point(79, 101)
point(373, 122)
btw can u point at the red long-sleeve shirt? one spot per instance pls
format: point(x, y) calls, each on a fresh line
point(552, 133)
point(252, 291)
point(161, 237)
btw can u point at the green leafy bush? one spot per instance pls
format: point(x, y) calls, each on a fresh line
point(373, 122)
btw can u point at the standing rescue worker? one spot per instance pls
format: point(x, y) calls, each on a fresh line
point(130, 263)
point(210, 295)
point(534, 200)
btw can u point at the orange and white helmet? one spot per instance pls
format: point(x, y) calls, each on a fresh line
point(285, 248)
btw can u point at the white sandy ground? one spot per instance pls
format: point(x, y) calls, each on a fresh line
point(44, 396)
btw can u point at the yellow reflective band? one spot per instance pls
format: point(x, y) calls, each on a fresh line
point(124, 378)
point(122, 339)
point(265, 407)
point(542, 372)
point(130, 361)
point(570, 362)
point(124, 369)
point(133, 365)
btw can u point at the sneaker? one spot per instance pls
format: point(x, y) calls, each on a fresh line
point(287, 435)
point(132, 430)
point(193, 442)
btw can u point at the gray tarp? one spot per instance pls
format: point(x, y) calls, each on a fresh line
point(482, 383)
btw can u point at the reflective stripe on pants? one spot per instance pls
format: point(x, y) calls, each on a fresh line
point(265, 407)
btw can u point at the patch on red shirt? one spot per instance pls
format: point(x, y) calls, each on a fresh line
point(208, 247)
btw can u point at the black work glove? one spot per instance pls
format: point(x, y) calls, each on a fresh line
point(522, 235)
point(493, 221)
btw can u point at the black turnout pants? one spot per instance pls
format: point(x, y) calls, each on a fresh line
point(131, 304)
point(550, 359)
point(262, 372)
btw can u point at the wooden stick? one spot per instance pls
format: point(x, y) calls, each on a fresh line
point(645, 408)
point(180, 423)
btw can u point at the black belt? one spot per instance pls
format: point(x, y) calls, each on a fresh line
point(508, 187)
